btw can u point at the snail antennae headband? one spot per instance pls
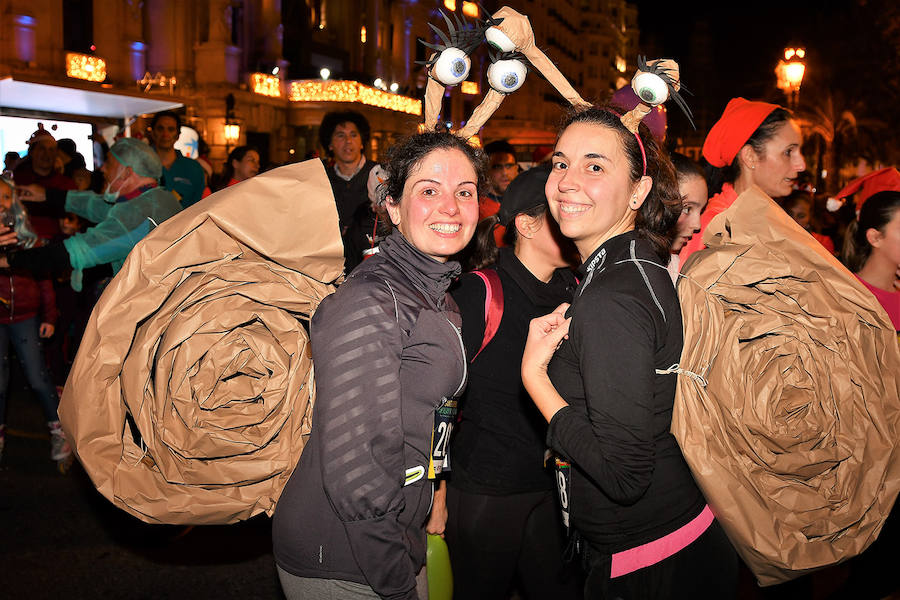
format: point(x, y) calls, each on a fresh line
point(511, 37)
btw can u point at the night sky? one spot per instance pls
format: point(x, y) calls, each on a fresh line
point(729, 49)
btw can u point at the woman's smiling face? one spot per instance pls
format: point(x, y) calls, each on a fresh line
point(589, 189)
point(438, 210)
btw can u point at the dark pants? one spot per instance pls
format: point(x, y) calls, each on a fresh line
point(706, 568)
point(497, 540)
point(24, 338)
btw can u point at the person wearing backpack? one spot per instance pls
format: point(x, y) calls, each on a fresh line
point(503, 525)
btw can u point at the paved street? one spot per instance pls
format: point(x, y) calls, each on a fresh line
point(62, 539)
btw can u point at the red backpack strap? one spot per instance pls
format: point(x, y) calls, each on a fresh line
point(493, 306)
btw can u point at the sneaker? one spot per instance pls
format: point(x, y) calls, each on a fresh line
point(59, 445)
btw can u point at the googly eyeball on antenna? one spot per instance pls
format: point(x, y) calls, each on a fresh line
point(650, 88)
point(499, 40)
point(657, 81)
point(506, 76)
point(452, 66)
point(451, 63)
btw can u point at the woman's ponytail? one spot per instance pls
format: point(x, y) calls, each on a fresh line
point(485, 251)
point(855, 252)
point(876, 212)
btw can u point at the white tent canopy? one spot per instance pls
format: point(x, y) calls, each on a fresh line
point(42, 97)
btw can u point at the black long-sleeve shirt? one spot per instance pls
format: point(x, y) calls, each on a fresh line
point(498, 446)
point(630, 483)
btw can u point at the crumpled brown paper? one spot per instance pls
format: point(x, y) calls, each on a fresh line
point(198, 345)
point(794, 438)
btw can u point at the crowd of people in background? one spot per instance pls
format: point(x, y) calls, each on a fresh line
point(70, 230)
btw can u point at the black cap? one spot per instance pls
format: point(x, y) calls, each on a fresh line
point(523, 193)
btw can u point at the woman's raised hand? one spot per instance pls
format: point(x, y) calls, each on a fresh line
point(545, 334)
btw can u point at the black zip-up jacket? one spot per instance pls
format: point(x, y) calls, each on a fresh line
point(630, 483)
point(386, 349)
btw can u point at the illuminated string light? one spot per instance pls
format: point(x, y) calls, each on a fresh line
point(469, 87)
point(265, 84)
point(85, 66)
point(313, 90)
point(470, 9)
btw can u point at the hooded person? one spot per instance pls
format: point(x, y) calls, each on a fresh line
point(130, 207)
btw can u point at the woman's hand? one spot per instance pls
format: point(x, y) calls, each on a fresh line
point(437, 520)
point(8, 236)
point(31, 193)
point(545, 334)
point(46, 330)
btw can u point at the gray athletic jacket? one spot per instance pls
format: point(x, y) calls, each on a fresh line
point(387, 351)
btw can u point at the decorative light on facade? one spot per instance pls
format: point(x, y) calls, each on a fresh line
point(85, 66)
point(470, 9)
point(148, 81)
point(325, 73)
point(450, 5)
point(313, 90)
point(469, 87)
point(620, 64)
point(362, 34)
point(265, 84)
point(394, 87)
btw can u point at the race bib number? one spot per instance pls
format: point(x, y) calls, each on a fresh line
point(563, 487)
point(444, 418)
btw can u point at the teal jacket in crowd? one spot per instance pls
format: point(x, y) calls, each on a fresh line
point(119, 226)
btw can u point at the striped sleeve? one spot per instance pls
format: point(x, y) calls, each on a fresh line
point(357, 343)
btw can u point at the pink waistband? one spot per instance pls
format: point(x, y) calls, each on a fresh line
point(651, 553)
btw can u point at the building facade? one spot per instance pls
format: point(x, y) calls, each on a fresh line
point(264, 72)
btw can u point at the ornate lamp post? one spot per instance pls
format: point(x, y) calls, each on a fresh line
point(789, 72)
point(232, 132)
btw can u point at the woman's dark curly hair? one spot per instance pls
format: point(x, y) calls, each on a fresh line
point(718, 176)
point(655, 220)
point(331, 121)
point(403, 157)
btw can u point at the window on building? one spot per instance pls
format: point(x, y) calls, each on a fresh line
point(78, 25)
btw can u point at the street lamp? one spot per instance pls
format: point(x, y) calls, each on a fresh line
point(790, 71)
point(232, 130)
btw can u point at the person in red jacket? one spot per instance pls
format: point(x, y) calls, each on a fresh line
point(27, 314)
point(39, 167)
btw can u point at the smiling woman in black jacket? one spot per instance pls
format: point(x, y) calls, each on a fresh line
point(389, 362)
point(608, 391)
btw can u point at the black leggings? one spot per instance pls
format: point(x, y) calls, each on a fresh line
point(496, 540)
